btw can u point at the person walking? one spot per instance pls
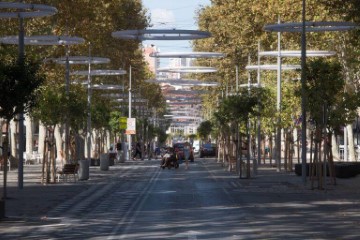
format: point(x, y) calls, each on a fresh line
point(187, 154)
point(137, 150)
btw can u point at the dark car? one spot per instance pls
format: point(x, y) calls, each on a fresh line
point(179, 150)
point(208, 150)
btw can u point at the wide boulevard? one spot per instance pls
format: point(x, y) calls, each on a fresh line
point(139, 200)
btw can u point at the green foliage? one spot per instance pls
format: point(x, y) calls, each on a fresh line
point(54, 106)
point(114, 122)
point(100, 112)
point(239, 107)
point(349, 9)
point(240, 27)
point(161, 134)
point(204, 129)
point(19, 82)
point(325, 91)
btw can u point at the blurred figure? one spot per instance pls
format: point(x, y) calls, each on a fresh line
point(187, 151)
point(169, 159)
point(137, 150)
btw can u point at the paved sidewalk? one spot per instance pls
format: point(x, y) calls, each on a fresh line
point(35, 200)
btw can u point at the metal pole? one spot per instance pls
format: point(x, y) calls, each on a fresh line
point(129, 136)
point(303, 100)
point(237, 77)
point(249, 155)
point(258, 119)
point(21, 115)
point(67, 91)
point(278, 106)
point(89, 110)
point(345, 144)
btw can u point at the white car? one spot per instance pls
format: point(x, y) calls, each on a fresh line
point(196, 146)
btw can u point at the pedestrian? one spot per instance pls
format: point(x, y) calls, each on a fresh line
point(137, 150)
point(187, 154)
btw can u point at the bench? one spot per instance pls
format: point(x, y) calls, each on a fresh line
point(68, 169)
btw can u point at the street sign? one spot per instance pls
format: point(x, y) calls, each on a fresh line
point(131, 126)
point(123, 123)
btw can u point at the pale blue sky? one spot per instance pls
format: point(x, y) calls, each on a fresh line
point(169, 14)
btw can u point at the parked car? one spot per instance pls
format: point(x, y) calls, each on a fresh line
point(179, 150)
point(208, 150)
point(196, 146)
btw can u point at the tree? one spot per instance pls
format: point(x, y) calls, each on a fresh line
point(52, 108)
point(239, 29)
point(233, 111)
point(325, 92)
point(19, 82)
point(204, 130)
point(349, 9)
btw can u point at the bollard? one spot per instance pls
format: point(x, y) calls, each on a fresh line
point(104, 162)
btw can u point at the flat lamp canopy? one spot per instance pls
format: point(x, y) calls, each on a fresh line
point(187, 55)
point(99, 72)
point(160, 34)
point(43, 40)
point(189, 69)
point(311, 26)
point(25, 10)
point(80, 60)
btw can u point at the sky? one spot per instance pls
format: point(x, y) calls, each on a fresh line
point(170, 14)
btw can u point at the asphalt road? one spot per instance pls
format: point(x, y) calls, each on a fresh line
point(142, 201)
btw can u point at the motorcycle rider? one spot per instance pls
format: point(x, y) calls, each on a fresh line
point(168, 158)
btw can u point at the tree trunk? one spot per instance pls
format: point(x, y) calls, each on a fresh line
point(286, 148)
point(351, 146)
point(248, 170)
point(2, 122)
point(80, 147)
point(94, 153)
point(271, 148)
point(5, 158)
point(298, 144)
point(330, 158)
point(334, 148)
point(59, 146)
point(13, 142)
point(41, 140)
point(312, 168)
point(29, 134)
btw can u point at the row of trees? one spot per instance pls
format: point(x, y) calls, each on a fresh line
point(332, 84)
point(37, 88)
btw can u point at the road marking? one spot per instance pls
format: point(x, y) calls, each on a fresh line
point(139, 202)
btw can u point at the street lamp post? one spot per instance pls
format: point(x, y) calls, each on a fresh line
point(129, 114)
point(303, 98)
point(89, 73)
point(22, 11)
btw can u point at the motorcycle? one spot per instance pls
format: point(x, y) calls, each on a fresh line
point(169, 161)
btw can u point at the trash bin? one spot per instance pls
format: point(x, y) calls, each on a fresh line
point(104, 162)
point(84, 169)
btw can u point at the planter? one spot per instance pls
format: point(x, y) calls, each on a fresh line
point(104, 162)
point(84, 169)
point(2, 209)
point(298, 169)
point(342, 169)
point(95, 162)
point(347, 169)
